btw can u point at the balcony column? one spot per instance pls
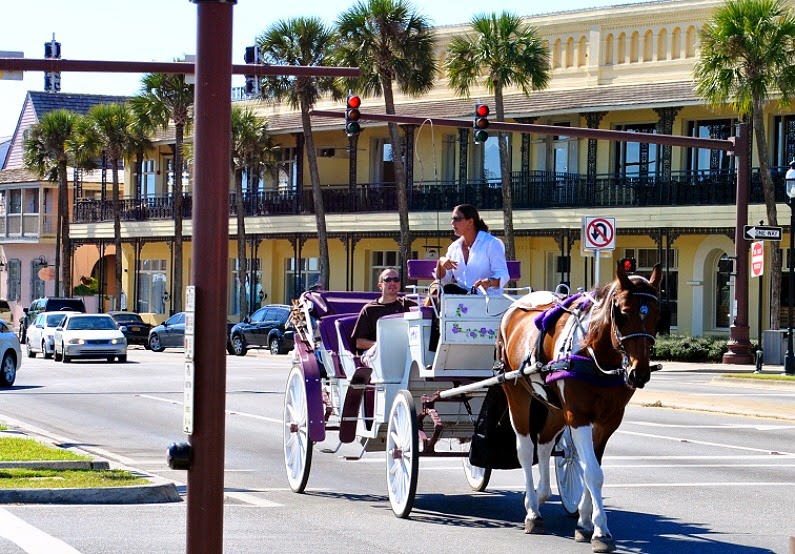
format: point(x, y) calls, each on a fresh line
point(592, 120)
point(665, 125)
point(463, 150)
point(298, 204)
point(353, 144)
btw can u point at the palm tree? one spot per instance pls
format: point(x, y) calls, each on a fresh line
point(47, 153)
point(747, 48)
point(250, 145)
point(108, 129)
point(392, 45)
point(164, 99)
point(302, 41)
point(503, 52)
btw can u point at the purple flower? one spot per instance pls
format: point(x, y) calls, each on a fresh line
point(456, 329)
point(483, 331)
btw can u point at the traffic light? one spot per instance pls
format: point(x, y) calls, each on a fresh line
point(252, 56)
point(353, 115)
point(628, 265)
point(480, 123)
point(726, 266)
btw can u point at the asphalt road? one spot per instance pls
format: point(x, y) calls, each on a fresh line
point(675, 480)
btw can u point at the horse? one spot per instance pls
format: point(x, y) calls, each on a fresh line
point(583, 359)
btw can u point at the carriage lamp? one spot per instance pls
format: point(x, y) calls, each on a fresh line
point(789, 360)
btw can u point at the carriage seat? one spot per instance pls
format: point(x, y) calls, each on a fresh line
point(390, 361)
point(422, 270)
point(348, 353)
point(331, 343)
point(326, 302)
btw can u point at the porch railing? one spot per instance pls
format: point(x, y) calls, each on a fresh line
point(531, 190)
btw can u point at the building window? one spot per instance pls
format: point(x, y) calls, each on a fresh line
point(381, 260)
point(450, 158)
point(186, 183)
point(254, 297)
point(14, 284)
point(646, 258)
point(299, 275)
point(637, 160)
point(148, 179)
point(152, 289)
point(36, 282)
point(705, 161)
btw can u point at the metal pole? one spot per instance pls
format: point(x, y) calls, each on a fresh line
point(789, 361)
point(210, 238)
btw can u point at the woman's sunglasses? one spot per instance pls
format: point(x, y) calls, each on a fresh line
point(391, 280)
point(456, 218)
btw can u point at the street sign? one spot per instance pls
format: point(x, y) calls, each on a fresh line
point(11, 75)
point(757, 259)
point(762, 232)
point(599, 233)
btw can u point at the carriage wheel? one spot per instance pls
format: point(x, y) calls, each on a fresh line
point(568, 473)
point(477, 477)
point(297, 444)
point(402, 454)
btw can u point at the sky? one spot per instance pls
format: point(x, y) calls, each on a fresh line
point(164, 30)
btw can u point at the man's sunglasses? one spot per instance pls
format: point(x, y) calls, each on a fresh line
point(391, 280)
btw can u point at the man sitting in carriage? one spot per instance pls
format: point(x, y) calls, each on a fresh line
point(388, 303)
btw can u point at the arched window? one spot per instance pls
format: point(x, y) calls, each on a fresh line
point(582, 52)
point(662, 45)
point(609, 50)
point(634, 47)
point(676, 44)
point(648, 46)
point(622, 49)
point(690, 42)
point(570, 52)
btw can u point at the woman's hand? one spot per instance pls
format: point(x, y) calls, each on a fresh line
point(447, 263)
point(489, 282)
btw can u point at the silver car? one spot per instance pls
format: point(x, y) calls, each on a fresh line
point(39, 336)
point(10, 355)
point(89, 336)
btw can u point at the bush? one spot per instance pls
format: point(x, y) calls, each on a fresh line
point(684, 348)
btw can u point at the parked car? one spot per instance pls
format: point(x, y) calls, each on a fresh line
point(269, 327)
point(89, 336)
point(135, 329)
point(171, 334)
point(11, 353)
point(47, 304)
point(40, 335)
point(5, 311)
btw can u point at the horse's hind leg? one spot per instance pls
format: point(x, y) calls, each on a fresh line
point(533, 522)
point(592, 514)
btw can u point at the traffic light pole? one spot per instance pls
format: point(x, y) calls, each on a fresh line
point(739, 343)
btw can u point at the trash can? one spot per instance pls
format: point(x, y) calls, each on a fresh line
point(774, 345)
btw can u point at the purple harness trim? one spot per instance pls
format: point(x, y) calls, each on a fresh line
point(582, 368)
point(546, 320)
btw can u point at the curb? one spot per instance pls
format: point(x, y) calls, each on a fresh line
point(141, 494)
point(56, 465)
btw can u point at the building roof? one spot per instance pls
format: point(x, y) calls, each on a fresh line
point(44, 102)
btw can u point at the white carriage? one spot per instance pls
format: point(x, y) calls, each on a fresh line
point(409, 400)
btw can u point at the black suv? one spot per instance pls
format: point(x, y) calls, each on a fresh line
point(48, 304)
point(268, 327)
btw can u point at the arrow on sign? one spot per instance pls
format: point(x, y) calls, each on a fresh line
point(762, 232)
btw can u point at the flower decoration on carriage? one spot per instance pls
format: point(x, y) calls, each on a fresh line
point(461, 310)
point(483, 332)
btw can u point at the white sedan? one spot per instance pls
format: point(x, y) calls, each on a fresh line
point(89, 336)
point(40, 335)
point(11, 353)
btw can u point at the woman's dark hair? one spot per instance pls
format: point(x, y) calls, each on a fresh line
point(471, 212)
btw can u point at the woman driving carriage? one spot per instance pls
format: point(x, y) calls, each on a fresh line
point(476, 260)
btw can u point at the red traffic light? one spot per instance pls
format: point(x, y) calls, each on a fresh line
point(628, 265)
point(354, 102)
point(481, 110)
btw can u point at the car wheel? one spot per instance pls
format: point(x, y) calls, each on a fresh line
point(55, 355)
point(154, 344)
point(8, 371)
point(276, 346)
point(238, 345)
point(31, 352)
point(64, 358)
point(123, 359)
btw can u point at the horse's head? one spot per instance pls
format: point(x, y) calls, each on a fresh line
point(635, 313)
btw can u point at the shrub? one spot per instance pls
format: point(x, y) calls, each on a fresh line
point(684, 348)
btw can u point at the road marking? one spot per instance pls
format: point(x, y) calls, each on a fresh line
point(253, 500)
point(703, 443)
point(728, 426)
point(230, 412)
point(29, 538)
point(670, 485)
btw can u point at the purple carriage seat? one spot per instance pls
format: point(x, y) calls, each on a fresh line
point(330, 339)
point(422, 270)
point(327, 302)
point(348, 353)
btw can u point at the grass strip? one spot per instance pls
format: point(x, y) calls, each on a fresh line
point(761, 377)
point(17, 449)
point(18, 478)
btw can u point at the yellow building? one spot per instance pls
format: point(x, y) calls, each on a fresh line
point(625, 67)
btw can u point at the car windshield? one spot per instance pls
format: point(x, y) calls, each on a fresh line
point(93, 323)
point(55, 320)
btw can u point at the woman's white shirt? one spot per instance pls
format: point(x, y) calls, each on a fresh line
point(486, 260)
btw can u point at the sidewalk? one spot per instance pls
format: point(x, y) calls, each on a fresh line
point(702, 399)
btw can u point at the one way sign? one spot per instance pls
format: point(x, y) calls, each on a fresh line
point(762, 232)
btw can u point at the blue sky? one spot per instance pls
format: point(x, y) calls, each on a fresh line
point(162, 30)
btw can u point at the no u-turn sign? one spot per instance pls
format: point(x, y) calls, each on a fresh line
point(599, 233)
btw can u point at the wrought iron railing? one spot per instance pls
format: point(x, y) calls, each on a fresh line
point(531, 190)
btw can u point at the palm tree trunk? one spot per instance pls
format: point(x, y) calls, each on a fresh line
point(401, 185)
point(317, 193)
point(117, 228)
point(770, 205)
point(63, 211)
point(505, 176)
point(242, 261)
point(176, 298)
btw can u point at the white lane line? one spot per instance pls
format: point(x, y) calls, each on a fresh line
point(253, 500)
point(703, 443)
point(718, 426)
point(230, 412)
point(672, 485)
point(29, 538)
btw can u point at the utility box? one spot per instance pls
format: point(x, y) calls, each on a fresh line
point(774, 346)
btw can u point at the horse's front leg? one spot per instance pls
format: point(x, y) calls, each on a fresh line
point(544, 485)
point(533, 522)
point(592, 514)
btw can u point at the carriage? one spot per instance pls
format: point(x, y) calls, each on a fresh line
point(413, 402)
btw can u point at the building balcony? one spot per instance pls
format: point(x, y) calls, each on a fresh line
point(534, 190)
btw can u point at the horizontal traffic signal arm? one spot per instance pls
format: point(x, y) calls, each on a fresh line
point(187, 68)
point(599, 134)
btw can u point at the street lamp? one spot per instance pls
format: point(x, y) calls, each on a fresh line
point(789, 360)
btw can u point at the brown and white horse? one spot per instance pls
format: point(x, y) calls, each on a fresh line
point(591, 353)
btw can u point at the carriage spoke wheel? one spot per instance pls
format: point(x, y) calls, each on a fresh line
point(477, 477)
point(297, 444)
point(568, 473)
point(402, 454)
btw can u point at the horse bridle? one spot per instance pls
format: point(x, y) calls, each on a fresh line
point(621, 338)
